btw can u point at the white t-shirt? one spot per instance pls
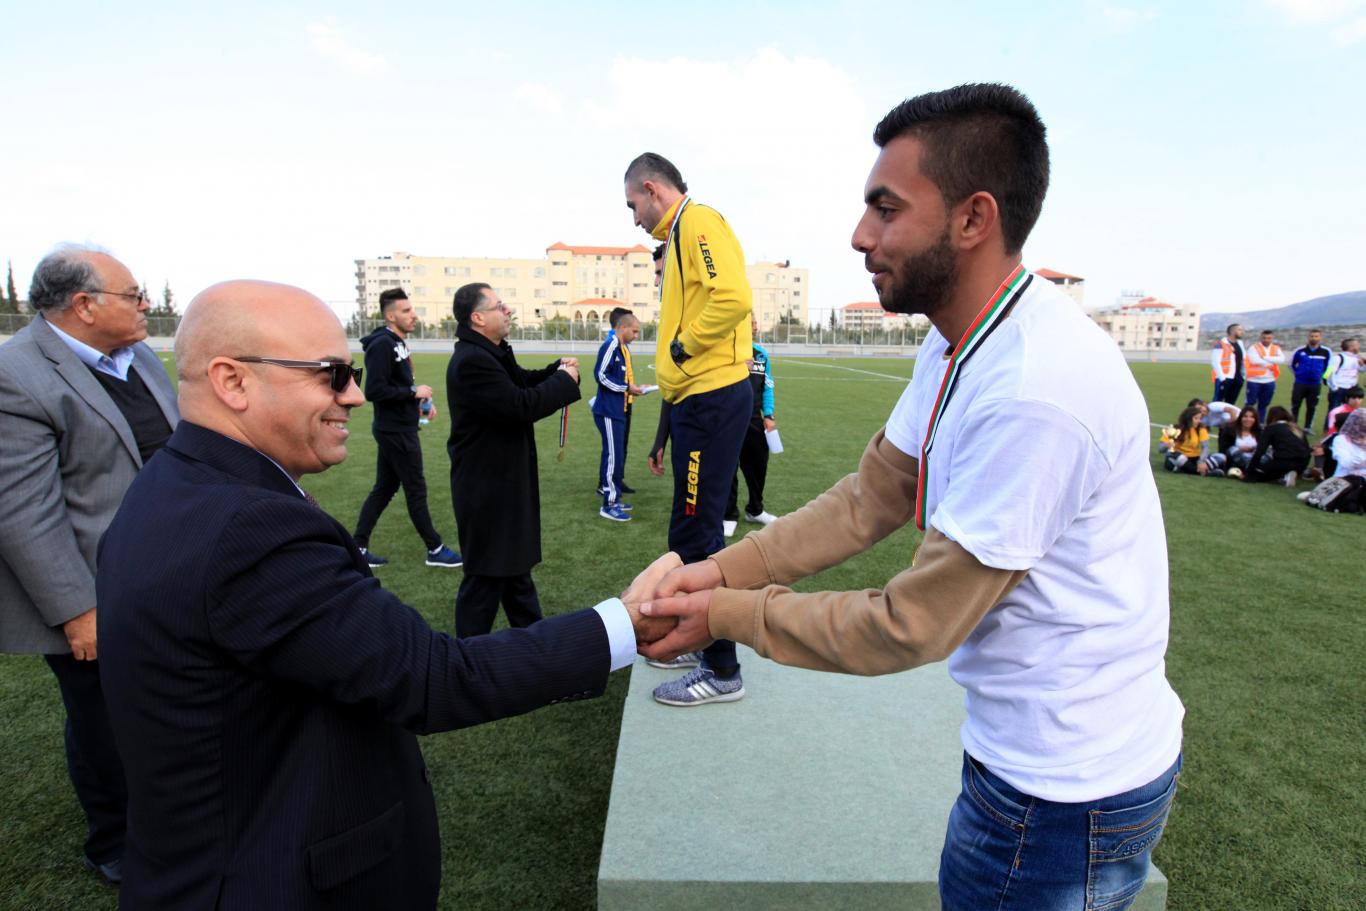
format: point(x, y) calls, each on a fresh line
point(1346, 367)
point(1041, 464)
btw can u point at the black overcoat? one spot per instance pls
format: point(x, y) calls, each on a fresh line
point(494, 484)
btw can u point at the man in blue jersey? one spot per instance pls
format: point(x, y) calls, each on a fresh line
point(1308, 363)
point(609, 414)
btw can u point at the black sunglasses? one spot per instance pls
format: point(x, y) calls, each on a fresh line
point(340, 374)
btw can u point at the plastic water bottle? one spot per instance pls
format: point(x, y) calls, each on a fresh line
point(426, 410)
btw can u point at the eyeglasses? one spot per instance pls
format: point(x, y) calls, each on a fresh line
point(498, 306)
point(340, 374)
point(138, 296)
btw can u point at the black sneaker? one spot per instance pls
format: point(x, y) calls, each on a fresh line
point(372, 559)
point(626, 488)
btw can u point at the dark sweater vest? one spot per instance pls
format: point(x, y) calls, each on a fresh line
point(139, 408)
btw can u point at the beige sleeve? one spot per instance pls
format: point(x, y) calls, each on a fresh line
point(923, 614)
point(860, 510)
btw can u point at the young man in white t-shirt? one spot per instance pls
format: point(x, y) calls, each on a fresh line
point(1042, 577)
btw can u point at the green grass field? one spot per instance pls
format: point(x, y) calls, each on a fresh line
point(1266, 646)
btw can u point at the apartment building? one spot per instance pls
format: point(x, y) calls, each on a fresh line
point(1140, 322)
point(578, 283)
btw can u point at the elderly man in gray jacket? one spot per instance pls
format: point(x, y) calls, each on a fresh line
point(83, 404)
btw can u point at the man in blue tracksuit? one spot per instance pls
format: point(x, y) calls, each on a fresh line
point(1309, 364)
point(609, 414)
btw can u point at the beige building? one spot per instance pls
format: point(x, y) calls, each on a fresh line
point(779, 291)
point(1071, 285)
point(869, 316)
point(581, 284)
point(1140, 322)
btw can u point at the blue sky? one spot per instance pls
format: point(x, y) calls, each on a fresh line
point(1208, 153)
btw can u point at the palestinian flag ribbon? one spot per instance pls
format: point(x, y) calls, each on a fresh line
point(564, 431)
point(985, 323)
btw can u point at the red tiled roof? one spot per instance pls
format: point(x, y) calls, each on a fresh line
point(1150, 303)
point(598, 302)
point(598, 251)
point(1050, 275)
point(864, 305)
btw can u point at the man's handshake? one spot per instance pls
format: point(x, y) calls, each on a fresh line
point(669, 603)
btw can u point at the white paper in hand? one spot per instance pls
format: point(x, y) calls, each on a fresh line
point(646, 390)
point(775, 442)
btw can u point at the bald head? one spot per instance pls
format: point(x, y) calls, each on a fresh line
point(236, 318)
point(290, 413)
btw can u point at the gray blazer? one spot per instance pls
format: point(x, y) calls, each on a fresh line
point(67, 455)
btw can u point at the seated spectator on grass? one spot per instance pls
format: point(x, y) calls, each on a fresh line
point(1351, 401)
point(1349, 447)
point(1282, 450)
point(1238, 441)
point(1187, 445)
point(1216, 414)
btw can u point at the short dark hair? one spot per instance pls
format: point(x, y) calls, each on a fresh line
point(650, 166)
point(1231, 326)
point(390, 297)
point(467, 298)
point(615, 316)
point(60, 275)
point(1319, 331)
point(979, 137)
point(1356, 392)
point(1345, 342)
point(659, 251)
point(1195, 402)
point(1268, 332)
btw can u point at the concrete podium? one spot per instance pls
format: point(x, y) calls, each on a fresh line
point(834, 792)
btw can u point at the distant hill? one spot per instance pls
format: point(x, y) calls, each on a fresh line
point(1347, 309)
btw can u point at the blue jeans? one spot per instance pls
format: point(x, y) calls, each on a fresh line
point(1007, 851)
point(1259, 396)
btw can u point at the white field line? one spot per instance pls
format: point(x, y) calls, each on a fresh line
point(885, 376)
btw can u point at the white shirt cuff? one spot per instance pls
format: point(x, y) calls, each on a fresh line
point(621, 635)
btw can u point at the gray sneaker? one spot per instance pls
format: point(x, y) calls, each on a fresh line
point(699, 686)
point(683, 661)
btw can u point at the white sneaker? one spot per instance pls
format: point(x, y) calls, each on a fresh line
point(763, 518)
point(1290, 478)
point(728, 527)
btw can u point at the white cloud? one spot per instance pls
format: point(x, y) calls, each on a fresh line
point(1316, 11)
point(1125, 19)
point(540, 98)
point(327, 39)
point(1351, 33)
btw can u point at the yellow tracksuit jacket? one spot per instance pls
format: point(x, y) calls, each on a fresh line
point(706, 307)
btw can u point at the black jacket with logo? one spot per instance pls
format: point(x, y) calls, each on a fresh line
point(389, 381)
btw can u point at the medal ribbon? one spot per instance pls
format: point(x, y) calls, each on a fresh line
point(986, 321)
point(564, 431)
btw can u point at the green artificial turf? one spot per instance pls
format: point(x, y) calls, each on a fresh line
point(1266, 648)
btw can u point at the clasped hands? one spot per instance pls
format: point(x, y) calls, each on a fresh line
point(669, 603)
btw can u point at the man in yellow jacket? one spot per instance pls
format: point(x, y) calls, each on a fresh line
point(700, 359)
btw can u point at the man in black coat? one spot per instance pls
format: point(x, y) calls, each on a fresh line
point(264, 689)
point(390, 388)
point(494, 485)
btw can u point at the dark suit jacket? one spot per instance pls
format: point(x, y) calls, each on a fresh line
point(265, 691)
point(495, 491)
point(67, 456)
